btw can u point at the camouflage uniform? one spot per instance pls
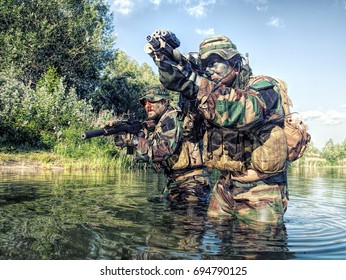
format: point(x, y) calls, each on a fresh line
point(165, 146)
point(244, 138)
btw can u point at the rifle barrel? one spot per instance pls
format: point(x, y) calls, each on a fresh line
point(92, 133)
point(153, 41)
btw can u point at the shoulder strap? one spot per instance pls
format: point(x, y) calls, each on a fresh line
point(285, 100)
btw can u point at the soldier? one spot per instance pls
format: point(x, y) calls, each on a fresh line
point(244, 138)
point(165, 142)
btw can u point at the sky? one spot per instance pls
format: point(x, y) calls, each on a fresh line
point(301, 42)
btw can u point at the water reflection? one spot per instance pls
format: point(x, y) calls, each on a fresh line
point(248, 241)
point(62, 215)
point(315, 219)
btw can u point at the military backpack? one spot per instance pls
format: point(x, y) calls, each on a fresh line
point(294, 128)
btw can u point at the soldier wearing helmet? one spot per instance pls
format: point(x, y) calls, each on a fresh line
point(164, 144)
point(244, 138)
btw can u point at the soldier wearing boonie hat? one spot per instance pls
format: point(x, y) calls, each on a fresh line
point(155, 93)
point(236, 106)
point(162, 143)
point(220, 45)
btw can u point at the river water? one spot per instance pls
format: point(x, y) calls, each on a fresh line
point(70, 215)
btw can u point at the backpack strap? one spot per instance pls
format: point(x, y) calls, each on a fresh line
point(286, 102)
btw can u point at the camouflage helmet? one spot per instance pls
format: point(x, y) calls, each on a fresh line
point(154, 93)
point(220, 45)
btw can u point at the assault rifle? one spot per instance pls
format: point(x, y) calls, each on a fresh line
point(127, 125)
point(165, 42)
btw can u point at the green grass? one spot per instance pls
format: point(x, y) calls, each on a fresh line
point(50, 160)
point(101, 154)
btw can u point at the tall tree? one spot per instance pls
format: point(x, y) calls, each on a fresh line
point(72, 36)
point(123, 83)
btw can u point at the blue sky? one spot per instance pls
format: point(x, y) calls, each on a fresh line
point(301, 42)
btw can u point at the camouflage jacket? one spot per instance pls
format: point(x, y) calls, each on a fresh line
point(238, 108)
point(236, 117)
point(253, 103)
point(166, 148)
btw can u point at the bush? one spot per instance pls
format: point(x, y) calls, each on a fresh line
point(36, 117)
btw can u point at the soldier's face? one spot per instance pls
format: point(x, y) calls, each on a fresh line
point(154, 109)
point(220, 69)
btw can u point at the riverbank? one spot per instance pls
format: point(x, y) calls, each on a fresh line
point(30, 160)
point(45, 160)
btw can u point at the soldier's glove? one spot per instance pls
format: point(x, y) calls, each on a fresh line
point(172, 66)
point(150, 125)
point(109, 124)
point(123, 140)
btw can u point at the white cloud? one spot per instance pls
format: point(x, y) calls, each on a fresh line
point(123, 6)
point(195, 8)
point(156, 2)
point(276, 22)
point(197, 11)
point(261, 5)
point(331, 117)
point(200, 9)
point(205, 32)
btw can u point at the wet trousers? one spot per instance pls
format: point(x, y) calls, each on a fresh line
point(262, 201)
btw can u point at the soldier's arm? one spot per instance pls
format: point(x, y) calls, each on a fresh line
point(237, 108)
point(218, 104)
point(168, 139)
point(177, 77)
point(162, 143)
point(142, 150)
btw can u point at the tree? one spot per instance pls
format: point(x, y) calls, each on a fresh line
point(37, 117)
point(123, 83)
point(74, 37)
point(333, 152)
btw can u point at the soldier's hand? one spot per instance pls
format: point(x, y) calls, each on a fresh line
point(150, 125)
point(123, 140)
point(109, 124)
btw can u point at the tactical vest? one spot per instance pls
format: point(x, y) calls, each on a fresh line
point(262, 147)
point(187, 156)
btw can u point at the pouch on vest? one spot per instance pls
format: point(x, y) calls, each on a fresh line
point(295, 130)
point(189, 156)
point(223, 149)
point(296, 135)
point(183, 159)
point(270, 149)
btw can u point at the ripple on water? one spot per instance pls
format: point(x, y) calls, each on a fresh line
point(317, 232)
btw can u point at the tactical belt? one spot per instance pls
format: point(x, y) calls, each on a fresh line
point(178, 174)
point(190, 173)
point(280, 178)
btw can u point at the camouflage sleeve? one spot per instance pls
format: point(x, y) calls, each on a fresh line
point(163, 142)
point(228, 107)
point(142, 150)
point(177, 77)
point(167, 137)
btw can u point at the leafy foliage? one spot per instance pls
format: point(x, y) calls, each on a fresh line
point(123, 83)
point(56, 55)
point(74, 37)
point(37, 117)
point(334, 153)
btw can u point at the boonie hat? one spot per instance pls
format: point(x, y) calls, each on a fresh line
point(218, 44)
point(154, 93)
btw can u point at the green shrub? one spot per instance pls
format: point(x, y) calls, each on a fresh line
point(37, 117)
